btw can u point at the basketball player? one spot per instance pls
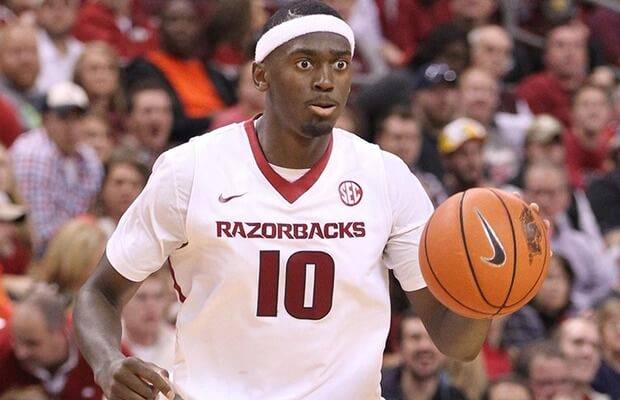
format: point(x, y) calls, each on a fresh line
point(279, 232)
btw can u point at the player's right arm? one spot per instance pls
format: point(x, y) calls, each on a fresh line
point(97, 319)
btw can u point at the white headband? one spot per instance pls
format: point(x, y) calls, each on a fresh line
point(289, 30)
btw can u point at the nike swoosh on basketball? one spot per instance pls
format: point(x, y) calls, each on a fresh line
point(499, 255)
point(223, 199)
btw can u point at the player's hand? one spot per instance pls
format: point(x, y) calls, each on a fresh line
point(133, 379)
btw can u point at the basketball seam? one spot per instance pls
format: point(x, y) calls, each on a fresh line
point(430, 267)
point(471, 267)
point(515, 250)
point(539, 275)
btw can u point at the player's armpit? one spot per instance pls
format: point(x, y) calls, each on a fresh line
point(455, 336)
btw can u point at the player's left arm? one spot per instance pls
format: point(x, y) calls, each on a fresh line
point(455, 336)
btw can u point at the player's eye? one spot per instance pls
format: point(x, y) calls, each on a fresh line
point(304, 65)
point(341, 65)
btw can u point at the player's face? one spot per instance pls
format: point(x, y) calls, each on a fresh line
point(420, 355)
point(307, 81)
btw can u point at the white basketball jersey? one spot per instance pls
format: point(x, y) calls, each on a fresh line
point(284, 284)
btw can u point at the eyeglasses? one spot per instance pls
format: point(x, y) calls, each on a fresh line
point(436, 73)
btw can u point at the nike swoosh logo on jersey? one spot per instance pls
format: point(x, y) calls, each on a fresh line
point(499, 255)
point(223, 199)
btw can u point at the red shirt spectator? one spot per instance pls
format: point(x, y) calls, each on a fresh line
point(583, 161)
point(36, 348)
point(544, 94)
point(11, 127)
point(131, 35)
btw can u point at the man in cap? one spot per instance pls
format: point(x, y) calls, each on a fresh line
point(58, 177)
point(460, 144)
point(435, 105)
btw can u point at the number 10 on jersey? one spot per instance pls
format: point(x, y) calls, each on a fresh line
point(308, 284)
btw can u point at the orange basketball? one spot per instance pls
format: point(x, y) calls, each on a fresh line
point(484, 253)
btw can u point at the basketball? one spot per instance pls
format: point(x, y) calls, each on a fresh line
point(484, 253)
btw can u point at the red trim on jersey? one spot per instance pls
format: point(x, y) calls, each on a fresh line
point(177, 287)
point(291, 191)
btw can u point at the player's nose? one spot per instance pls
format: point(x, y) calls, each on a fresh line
point(324, 80)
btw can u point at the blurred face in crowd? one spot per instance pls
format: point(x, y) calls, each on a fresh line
point(479, 95)
point(547, 186)
point(122, 185)
point(554, 293)
point(438, 104)
point(96, 133)
point(98, 73)
point(466, 164)
point(181, 28)
point(420, 356)
point(57, 17)
point(491, 50)
point(34, 343)
point(19, 60)
point(549, 377)
point(63, 127)
point(401, 136)
point(249, 97)
point(579, 340)
point(509, 391)
point(591, 113)
point(477, 11)
point(566, 53)
point(150, 120)
point(610, 335)
point(144, 313)
point(552, 151)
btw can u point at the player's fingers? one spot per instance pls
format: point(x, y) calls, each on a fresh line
point(136, 384)
point(547, 223)
point(518, 194)
point(535, 207)
point(119, 391)
point(152, 374)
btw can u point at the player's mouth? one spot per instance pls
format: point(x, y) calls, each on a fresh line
point(323, 109)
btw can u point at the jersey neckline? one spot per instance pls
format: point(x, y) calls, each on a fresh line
point(291, 191)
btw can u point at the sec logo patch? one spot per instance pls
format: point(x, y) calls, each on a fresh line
point(350, 193)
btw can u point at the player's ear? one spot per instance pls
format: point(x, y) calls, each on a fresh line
point(259, 76)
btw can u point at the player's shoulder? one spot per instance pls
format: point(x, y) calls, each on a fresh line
point(354, 144)
point(228, 135)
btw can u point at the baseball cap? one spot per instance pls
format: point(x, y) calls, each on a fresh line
point(432, 75)
point(66, 96)
point(543, 129)
point(459, 131)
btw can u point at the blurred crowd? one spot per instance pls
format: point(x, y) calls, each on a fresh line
point(521, 95)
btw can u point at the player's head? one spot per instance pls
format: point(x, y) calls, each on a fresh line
point(303, 62)
point(420, 355)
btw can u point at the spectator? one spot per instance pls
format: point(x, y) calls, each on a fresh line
point(434, 105)
point(58, 49)
point(398, 132)
point(146, 334)
point(10, 122)
point(14, 229)
point(124, 179)
point(19, 66)
point(508, 388)
point(421, 374)
point(98, 72)
point(250, 101)
point(479, 95)
point(588, 138)
point(542, 315)
point(149, 122)
point(544, 367)
point(120, 23)
point(491, 50)
point(197, 91)
point(566, 68)
point(607, 379)
point(547, 185)
point(96, 132)
point(38, 349)
point(460, 145)
point(604, 195)
point(579, 340)
point(72, 255)
point(544, 141)
point(58, 177)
